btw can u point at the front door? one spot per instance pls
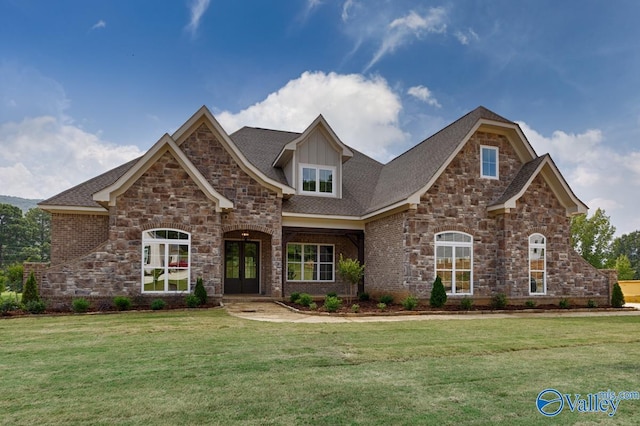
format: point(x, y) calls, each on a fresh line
point(241, 267)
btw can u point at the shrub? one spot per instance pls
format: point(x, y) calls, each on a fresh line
point(35, 306)
point(410, 303)
point(438, 294)
point(80, 305)
point(499, 301)
point(592, 304)
point(355, 308)
point(294, 297)
point(332, 294)
point(617, 298)
point(387, 299)
point(123, 303)
point(200, 292)
point(382, 306)
point(105, 305)
point(13, 277)
point(564, 303)
point(191, 300)
point(313, 306)
point(332, 304)
point(530, 303)
point(158, 304)
point(466, 303)
point(305, 299)
point(364, 297)
point(30, 293)
point(8, 305)
point(351, 271)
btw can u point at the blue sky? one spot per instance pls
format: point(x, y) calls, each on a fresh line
point(85, 86)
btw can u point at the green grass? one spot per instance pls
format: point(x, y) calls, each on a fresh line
point(205, 367)
point(10, 295)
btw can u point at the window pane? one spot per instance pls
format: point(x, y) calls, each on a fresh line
point(308, 179)
point(463, 257)
point(294, 271)
point(489, 162)
point(153, 279)
point(326, 272)
point(444, 259)
point(178, 279)
point(294, 253)
point(326, 181)
point(463, 282)
point(446, 276)
point(310, 253)
point(310, 269)
point(326, 253)
point(232, 260)
point(537, 282)
point(250, 260)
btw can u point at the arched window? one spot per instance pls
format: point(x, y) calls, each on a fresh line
point(537, 264)
point(166, 260)
point(454, 261)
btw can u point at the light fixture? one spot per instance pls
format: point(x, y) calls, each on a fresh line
point(245, 234)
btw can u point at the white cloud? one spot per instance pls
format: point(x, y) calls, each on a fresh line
point(424, 94)
point(346, 7)
point(466, 37)
point(402, 31)
point(99, 24)
point(43, 156)
point(197, 8)
point(599, 175)
point(362, 111)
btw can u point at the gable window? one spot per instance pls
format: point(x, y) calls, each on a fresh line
point(310, 262)
point(454, 262)
point(317, 180)
point(166, 259)
point(489, 162)
point(537, 264)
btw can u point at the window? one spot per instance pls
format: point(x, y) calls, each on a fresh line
point(317, 179)
point(537, 264)
point(454, 262)
point(489, 162)
point(310, 262)
point(166, 257)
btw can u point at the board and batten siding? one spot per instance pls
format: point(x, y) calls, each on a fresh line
point(317, 150)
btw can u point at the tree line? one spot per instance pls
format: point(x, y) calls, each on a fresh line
point(23, 238)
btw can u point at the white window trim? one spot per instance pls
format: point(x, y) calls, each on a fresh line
point(497, 151)
point(333, 262)
point(453, 270)
point(166, 242)
point(317, 168)
point(544, 270)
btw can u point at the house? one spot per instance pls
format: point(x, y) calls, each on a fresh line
point(267, 212)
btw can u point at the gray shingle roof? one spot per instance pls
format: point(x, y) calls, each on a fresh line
point(521, 179)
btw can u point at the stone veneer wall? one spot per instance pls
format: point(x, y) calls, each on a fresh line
point(74, 235)
point(384, 255)
point(343, 246)
point(166, 197)
point(458, 201)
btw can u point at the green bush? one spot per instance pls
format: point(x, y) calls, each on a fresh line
point(387, 299)
point(364, 297)
point(332, 294)
point(355, 308)
point(438, 294)
point(617, 298)
point(294, 297)
point(80, 305)
point(592, 304)
point(8, 305)
point(305, 299)
point(564, 303)
point(410, 303)
point(382, 306)
point(530, 303)
point(200, 292)
point(30, 293)
point(466, 303)
point(499, 301)
point(35, 307)
point(332, 304)
point(13, 277)
point(158, 304)
point(192, 301)
point(123, 303)
point(313, 306)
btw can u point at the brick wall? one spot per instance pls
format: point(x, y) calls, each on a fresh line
point(385, 255)
point(74, 235)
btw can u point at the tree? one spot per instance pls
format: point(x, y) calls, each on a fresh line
point(438, 294)
point(623, 266)
point(628, 245)
point(37, 226)
point(352, 271)
point(11, 234)
point(617, 298)
point(30, 293)
point(591, 237)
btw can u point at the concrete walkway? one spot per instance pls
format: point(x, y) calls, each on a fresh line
point(273, 312)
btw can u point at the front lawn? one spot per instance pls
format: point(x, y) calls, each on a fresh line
point(205, 367)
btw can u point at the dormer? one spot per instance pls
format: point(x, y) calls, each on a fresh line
point(313, 161)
